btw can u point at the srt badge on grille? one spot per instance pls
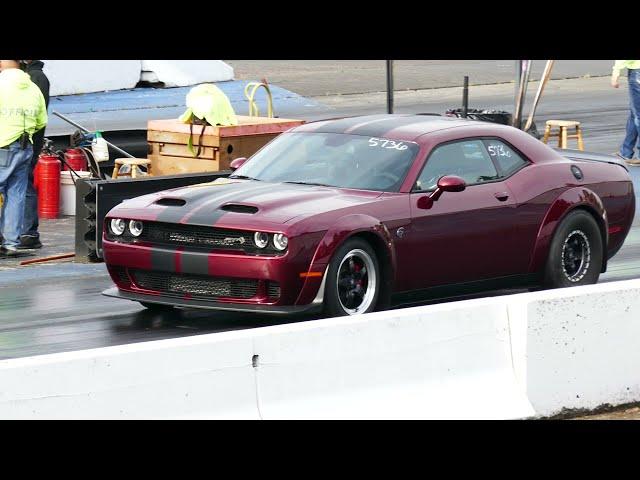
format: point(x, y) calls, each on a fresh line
point(178, 237)
point(220, 242)
point(234, 241)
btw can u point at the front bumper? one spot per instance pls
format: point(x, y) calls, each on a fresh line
point(314, 307)
point(218, 280)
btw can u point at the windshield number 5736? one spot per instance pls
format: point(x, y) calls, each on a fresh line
point(384, 143)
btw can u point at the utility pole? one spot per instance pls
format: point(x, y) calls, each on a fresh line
point(465, 97)
point(516, 89)
point(389, 86)
point(522, 93)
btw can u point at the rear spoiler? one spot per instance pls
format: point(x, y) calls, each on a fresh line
point(580, 155)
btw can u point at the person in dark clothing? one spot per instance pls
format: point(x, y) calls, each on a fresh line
point(30, 237)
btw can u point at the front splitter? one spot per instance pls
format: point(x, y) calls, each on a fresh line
point(202, 304)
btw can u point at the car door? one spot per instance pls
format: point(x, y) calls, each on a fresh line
point(464, 236)
point(509, 162)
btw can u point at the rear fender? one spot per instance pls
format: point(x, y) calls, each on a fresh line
point(578, 197)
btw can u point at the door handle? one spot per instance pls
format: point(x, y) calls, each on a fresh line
point(502, 196)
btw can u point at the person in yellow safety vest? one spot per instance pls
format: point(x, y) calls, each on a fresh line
point(207, 105)
point(22, 113)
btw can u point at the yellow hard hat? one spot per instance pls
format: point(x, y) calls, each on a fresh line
point(208, 102)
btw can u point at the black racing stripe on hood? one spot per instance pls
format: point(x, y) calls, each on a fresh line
point(194, 193)
point(199, 197)
point(210, 216)
point(206, 216)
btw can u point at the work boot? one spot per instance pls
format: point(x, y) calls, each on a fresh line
point(9, 252)
point(29, 242)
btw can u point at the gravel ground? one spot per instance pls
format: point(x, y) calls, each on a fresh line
point(632, 413)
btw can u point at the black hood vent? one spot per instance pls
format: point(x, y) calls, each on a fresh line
point(171, 202)
point(234, 207)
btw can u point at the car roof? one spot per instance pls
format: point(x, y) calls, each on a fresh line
point(405, 127)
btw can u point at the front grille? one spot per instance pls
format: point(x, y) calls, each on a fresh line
point(119, 274)
point(198, 286)
point(273, 289)
point(196, 237)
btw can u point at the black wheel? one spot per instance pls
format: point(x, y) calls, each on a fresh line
point(353, 281)
point(575, 256)
point(156, 307)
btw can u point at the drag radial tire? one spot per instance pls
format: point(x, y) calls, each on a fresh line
point(156, 307)
point(575, 255)
point(353, 280)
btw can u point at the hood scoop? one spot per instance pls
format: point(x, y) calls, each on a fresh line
point(171, 202)
point(237, 208)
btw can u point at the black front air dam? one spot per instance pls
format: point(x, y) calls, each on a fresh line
point(230, 307)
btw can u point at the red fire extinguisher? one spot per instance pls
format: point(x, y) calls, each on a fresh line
point(76, 159)
point(46, 180)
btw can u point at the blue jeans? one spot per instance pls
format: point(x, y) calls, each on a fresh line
point(30, 224)
point(633, 122)
point(13, 185)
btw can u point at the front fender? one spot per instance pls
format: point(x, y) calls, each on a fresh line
point(578, 197)
point(346, 227)
point(336, 235)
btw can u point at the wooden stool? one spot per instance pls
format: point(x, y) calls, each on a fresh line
point(563, 135)
point(132, 162)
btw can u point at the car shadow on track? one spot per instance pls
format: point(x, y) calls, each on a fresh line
point(200, 321)
point(203, 321)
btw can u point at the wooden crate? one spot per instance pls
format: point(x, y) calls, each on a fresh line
point(168, 141)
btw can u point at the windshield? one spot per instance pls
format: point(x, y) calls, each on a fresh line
point(332, 159)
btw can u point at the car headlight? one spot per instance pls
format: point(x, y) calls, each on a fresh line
point(280, 241)
point(117, 226)
point(135, 227)
point(261, 239)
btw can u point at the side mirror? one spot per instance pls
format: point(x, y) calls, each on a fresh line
point(448, 183)
point(451, 183)
point(237, 163)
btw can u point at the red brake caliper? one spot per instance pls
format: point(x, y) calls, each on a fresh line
point(357, 269)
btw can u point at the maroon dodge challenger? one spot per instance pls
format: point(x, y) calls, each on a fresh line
point(358, 214)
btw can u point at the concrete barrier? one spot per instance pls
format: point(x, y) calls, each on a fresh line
point(181, 73)
point(442, 361)
point(516, 356)
point(577, 348)
point(69, 77)
point(208, 376)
